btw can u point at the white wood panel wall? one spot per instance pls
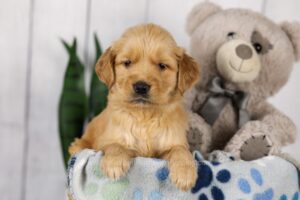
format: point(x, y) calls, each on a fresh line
point(52, 20)
point(14, 42)
point(33, 62)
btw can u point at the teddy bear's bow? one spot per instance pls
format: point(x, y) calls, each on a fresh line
point(219, 97)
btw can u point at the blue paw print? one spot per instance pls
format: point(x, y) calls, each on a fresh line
point(154, 195)
point(246, 188)
point(205, 178)
point(161, 174)
point(295, 197)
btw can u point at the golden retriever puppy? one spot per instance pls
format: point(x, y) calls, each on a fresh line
point(147, 74)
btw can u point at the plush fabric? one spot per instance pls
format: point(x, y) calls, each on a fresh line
point(219, 179)
point(211, 29)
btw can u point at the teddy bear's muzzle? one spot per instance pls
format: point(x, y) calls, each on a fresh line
point(237, 61)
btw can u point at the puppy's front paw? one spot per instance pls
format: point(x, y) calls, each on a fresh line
point(115, 167)
point(183, 174)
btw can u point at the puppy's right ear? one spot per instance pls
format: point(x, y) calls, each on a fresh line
point(198, 15)
point(105, 67)
point(188, 73)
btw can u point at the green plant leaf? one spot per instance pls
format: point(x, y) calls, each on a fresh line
point(73, 101)
point(98, 90)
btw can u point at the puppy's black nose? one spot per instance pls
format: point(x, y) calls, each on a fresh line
point(141, 87)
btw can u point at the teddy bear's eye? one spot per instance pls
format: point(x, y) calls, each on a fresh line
point(162, 66)
point(127, 63)
point(231, 35)
point(258, 47)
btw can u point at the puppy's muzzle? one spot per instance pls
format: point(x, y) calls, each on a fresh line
point(141, 88)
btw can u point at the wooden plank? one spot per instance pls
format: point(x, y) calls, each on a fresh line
point(14, 37)
point(115, 17)
point(14, 23)
point(109, 23)
point(172, 14)
point(247, 4)
point(287, 99)
point(279, 11)
point(52, 20)
point(11, 146)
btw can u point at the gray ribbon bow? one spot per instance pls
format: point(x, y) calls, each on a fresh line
point(217, 100)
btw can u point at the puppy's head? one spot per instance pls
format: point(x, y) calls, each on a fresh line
point(146, 67)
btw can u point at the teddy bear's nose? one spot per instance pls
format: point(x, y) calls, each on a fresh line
point(244, 52)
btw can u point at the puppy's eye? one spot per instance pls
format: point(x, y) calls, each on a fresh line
point(258, 47)
point(162, 66)
point(127, 63)
point(231, 35)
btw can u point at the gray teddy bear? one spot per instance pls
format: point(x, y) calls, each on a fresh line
point(244, 59)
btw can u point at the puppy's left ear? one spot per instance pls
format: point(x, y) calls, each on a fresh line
point(105, 67)
point(188, 73)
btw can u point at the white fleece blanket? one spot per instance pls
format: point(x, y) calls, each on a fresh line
point(269, 178)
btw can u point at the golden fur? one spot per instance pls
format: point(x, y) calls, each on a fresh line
point(154, 127)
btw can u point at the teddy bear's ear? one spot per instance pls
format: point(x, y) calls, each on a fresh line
point(199, 13)
point(292, 30)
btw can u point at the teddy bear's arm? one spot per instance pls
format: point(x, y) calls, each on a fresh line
point(199, 132)
point(281, 128)
point(268, 130)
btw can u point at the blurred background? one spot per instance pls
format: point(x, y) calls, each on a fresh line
point(33, 62)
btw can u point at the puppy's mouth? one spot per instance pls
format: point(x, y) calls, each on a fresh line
point(140, 100)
